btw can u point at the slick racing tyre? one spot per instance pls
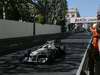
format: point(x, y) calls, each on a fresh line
point(42, 59)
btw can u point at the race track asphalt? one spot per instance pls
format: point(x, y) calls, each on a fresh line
point(67, 65)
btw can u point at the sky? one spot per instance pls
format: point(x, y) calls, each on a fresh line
point(85, 7)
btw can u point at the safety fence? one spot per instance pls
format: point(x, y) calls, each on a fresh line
point(84, 66)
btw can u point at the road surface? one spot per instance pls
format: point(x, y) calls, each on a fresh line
point(67, 65)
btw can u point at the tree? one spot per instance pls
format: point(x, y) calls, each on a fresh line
point(15, 9)
point(46, 11)
point(61, 12)
point(42, 7)
point(1, 9)
point(11, 10)
point(52, 10)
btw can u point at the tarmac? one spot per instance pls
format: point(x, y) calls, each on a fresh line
point(68, 65)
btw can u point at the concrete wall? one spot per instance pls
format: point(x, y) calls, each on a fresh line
point(11, 29)
point(47, 29)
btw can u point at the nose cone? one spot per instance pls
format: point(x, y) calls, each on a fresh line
point(33, 53)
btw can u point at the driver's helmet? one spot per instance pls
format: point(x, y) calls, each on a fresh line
point(94, 25)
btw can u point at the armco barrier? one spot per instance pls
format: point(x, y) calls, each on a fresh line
point(83, 68)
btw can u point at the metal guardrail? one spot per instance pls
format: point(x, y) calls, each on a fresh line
point(83, 68)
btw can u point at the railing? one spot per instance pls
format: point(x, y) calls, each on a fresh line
point(83, 68)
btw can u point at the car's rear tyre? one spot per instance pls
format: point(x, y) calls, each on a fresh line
point(42, 60)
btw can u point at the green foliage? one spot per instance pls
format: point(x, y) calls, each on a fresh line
point(40, 19)
point(42, 7)
point(49, 11)
point(1, 9)
point(15, 9)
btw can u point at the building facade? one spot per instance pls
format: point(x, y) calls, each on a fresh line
point(72, 12)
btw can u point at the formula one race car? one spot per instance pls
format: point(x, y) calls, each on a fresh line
point(44, 54)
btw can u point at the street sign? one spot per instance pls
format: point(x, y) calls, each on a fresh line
point(83, 20)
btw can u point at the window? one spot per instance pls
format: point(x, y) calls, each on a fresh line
point(73, 15)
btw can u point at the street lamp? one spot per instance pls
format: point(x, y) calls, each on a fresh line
point(34, 1)
point(34, 25)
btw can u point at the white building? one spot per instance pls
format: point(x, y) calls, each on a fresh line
point(72, 12)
